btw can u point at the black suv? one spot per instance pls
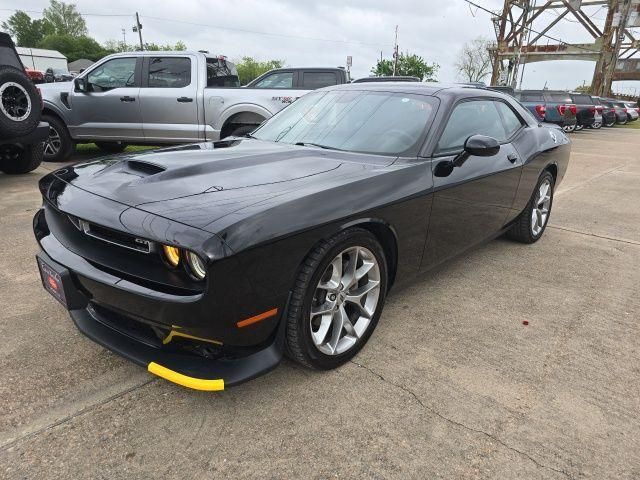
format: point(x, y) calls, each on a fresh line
point(22, 135)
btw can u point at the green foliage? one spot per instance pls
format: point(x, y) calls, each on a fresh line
point(114, 46)
point(65, 19)
point(583, 89)
point(74, 48)
point(408, 65)
point(249, 69)
point(26, 32)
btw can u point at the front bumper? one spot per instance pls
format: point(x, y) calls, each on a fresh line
point(180, 367)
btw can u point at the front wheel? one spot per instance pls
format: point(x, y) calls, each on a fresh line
point(596, 125)
point(532, 221)
point(579, 127)
point(569, 128)
point(59, 145)
point(337, 300)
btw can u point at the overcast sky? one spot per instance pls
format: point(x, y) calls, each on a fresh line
point(323, 33)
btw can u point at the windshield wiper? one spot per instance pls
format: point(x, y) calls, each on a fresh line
point(309, 144)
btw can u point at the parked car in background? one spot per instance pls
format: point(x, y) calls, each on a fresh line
point(21, 132)
point(387, 78)
point(633, 112)
point(587, 114)
point(550, 106)
point(204, 264)
point(301, 78)
point(36, 76)
point(608, 111)
point(57, 75)
point(167, 98)
point(619, 110)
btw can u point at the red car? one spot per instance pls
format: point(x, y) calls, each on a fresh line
point(36, 76)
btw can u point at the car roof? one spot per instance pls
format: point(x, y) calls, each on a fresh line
point(420, 88)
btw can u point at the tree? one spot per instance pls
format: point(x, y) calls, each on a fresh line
point(65, 19)
point(113, 46)
point(27, 32)
point(408, 65)
point(474, 61)
point(74, 48)
point(249, 69)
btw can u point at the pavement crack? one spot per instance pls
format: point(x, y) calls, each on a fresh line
point(68, 418)
point(459, 424)
point(604, 237)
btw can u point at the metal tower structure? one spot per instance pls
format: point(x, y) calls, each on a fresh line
point(524, 35)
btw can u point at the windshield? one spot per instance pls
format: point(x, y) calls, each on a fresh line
point(359, 121)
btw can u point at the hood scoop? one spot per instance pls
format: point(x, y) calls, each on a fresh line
point(144, 168)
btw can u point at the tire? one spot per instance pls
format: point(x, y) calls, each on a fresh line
point(596, 125)
point(111, 147)
point(304, 343)
point(16, 160)
point(59, 146)
point(609, 125)
point(20, 105)
point(569, 128)
point(242, 130)
point(579, 127)
point(523, 229)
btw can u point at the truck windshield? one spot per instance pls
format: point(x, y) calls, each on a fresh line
point(221, 73)
point(358, 121)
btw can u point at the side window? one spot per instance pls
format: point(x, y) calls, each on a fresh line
point(475, 117)
point(314, 80)
point(531, 97)
point(511, 121)
point(276, 80)
point(116, 73)
point(169, 72)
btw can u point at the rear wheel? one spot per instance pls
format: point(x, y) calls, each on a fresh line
point(112, 147)
point(15, 159)
point(532, 221)
point(337, 300)
point(596, 125)
point(58, 145)
point(579, 127)
point(611, 124)
point(569, 128)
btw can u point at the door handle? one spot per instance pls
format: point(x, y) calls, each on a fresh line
point(185, 100)
point(127, 99)
point(512, 157)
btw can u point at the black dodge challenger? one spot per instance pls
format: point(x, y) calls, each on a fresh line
point(206, 263)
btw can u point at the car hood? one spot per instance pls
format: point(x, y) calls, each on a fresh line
point(196, 184)
point(52, 91)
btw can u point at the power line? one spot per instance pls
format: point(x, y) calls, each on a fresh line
point(562, 42)
point(257, 32)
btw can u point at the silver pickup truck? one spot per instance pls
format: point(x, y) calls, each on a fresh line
point(167, 98)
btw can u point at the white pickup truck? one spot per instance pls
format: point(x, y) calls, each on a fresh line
point(167, 98)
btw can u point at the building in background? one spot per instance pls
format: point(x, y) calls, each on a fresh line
point(38, 59)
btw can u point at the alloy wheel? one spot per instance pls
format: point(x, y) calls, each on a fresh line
point(14, 101)
point(53, 143)
point(345, 300)
point(540, 212)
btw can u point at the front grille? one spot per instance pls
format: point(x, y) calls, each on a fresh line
point(112, 236)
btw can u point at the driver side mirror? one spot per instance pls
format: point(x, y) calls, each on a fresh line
point(80, 84)
point(481, 146)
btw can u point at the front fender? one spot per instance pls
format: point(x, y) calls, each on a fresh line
point(59, 110)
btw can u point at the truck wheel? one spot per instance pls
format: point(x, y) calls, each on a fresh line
point(111, 147)
point(15, 159)
point(20, 108)
point(242, 130)
point(58, 145)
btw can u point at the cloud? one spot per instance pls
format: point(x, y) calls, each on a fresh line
point(323, 33)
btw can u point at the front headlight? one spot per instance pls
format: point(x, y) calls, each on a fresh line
point(196, 266)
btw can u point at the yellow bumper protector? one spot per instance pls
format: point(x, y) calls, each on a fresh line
point(184, 380)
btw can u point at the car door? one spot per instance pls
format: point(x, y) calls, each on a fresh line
point(472, 202)
point(169, 99)
point(109, 108)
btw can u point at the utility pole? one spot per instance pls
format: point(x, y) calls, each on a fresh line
point(395, 54)
point(138, 28)
point(124, 38)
